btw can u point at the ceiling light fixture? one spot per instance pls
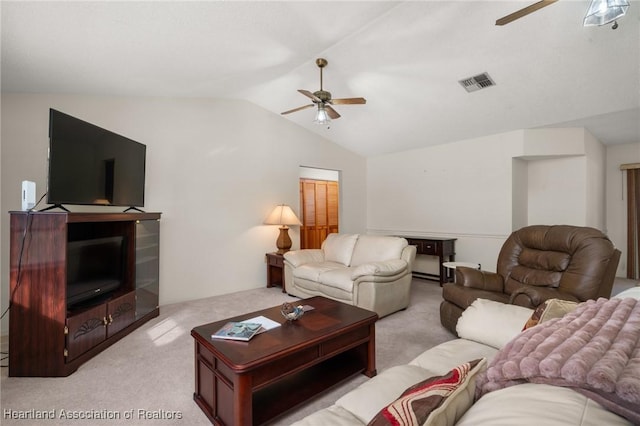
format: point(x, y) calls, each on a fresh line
point(602, 12)
point(322, 117)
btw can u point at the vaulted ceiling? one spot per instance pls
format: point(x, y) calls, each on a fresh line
point(405, 58)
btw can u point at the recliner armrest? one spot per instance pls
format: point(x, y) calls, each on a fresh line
point(383, 269)
point(482, 280)
point(300, 257)
point(532, 297)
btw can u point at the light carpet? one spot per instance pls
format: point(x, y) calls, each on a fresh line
point(149, 374)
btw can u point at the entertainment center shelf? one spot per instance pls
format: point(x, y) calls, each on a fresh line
point(79, 282)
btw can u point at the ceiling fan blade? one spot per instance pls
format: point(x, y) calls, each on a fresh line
point(308, 94)
point(524, 11)
point(348, 101)
point(331, 112)
point(297, 109)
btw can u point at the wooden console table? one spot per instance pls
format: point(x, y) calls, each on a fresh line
point(443, 248)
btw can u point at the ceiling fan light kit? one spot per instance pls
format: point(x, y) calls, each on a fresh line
point(321, 116)
point(602, 12)
point(325, 112)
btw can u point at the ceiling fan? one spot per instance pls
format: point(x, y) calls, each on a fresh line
point(524, 11)
point(600, 12)
point(322, 99)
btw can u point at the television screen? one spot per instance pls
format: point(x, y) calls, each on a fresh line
point(95, 267)
point(93, 166)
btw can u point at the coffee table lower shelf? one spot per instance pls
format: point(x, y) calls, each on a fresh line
point(286, 394)
point(281, 395)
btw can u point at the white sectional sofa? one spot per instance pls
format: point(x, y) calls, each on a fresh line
point(369, 271)
point(484, 327)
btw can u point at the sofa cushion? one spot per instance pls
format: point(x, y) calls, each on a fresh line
point(333, 415)
point(443, 357)
point(492, 323)
point(370, 397)
point(339, 278)
point(633, 292)
point(310, 287)
point(339, 248)
point(439, 400)
point(538, 404)
point(377, 248)
point(313, 271)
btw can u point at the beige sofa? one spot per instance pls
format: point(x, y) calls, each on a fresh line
point(483, 328)
point(369, 271)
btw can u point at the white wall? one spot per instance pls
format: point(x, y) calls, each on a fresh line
point(460, 190)
point(215, 169)
point(595, 179)
point(616, 190)
point(556, 187)
point(566, 177)
point(480, 190)
point(519, 193)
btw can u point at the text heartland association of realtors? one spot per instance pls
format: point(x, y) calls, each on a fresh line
point(132, 414)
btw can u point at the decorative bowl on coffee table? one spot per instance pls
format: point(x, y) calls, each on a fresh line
point(290, 312)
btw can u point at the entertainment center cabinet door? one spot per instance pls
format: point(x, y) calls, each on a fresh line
point(147, 266)
point(121, 312)
point(85, 330)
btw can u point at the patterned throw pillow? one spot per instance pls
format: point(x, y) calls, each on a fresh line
point(439, 400)
point(549, 309)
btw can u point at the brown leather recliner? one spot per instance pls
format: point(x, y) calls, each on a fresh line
point(537, 263)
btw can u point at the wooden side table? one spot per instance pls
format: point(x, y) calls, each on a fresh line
point(275, 270)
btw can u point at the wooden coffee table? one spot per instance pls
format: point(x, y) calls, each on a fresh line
point(247, 383)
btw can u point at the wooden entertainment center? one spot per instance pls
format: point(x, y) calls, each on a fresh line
point(48, 336)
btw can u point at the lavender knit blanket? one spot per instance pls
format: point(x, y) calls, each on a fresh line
point(594, 350)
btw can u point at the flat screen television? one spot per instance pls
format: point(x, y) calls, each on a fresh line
point(95, 268)
point(89, 165)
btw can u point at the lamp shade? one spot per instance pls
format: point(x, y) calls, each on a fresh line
point(601, 12)
point(282, 215)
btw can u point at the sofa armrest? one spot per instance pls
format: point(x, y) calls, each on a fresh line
point(492, 323)
point(532, 297)
point(482, 280)
point(300, 257)
point(409, 256)
point(382, 269)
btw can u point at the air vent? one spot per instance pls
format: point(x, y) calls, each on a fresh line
point(475, 83)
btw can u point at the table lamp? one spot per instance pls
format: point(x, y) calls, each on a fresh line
point(283, 215)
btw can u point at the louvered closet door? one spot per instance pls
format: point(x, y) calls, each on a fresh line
point(319, 201)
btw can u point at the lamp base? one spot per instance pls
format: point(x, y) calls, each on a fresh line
point(283, 242)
